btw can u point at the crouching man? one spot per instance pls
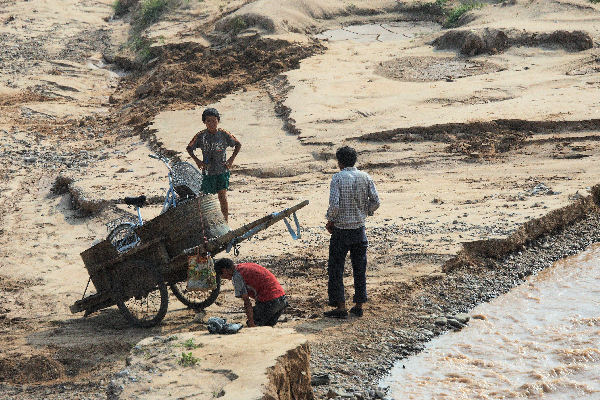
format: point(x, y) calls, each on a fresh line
point(253, 280)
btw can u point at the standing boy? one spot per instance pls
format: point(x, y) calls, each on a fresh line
point(252, 280)
point(352, 197)
point(214, 164)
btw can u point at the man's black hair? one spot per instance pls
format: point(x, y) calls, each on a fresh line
point(210, 111)
point(223, 263)
point(346, 156)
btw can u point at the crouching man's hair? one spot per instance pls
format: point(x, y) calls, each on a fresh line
point(223, 263)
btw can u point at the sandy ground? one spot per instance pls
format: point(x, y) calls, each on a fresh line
point(427, 124)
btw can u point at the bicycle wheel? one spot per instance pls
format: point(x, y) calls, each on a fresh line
point(141, 294)
point(123, 237)
point(196, 300)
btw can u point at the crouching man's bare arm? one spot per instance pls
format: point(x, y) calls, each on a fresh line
point(249, 311)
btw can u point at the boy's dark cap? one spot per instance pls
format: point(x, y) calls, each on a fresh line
point(210, 112)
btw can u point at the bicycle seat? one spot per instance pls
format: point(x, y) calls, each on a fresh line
point(135, 201)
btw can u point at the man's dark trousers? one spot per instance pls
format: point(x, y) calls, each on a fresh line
point(268, 313)
point(343, 241)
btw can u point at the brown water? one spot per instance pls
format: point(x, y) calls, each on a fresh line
point(540, 341)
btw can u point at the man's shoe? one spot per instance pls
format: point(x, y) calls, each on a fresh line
point(336, 313)
point(356, 311)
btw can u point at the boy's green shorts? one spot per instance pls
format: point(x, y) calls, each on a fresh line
point(212, 184)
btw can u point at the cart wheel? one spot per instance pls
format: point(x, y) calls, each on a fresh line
point(123, 237)
point(141, 294)
point(197, 300)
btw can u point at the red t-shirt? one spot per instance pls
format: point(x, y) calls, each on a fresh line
point(261, 283)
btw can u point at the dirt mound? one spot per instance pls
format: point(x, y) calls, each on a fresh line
point(471, 43)
point(487, 144)
point(430, 69)
point(22, 97)
point(571, 41)
point(37, 368)
point(238, 23)
point(480, 138)
point(492, 41)
point(189, 73)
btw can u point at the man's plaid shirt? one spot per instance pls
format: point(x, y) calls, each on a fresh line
point(352, 196)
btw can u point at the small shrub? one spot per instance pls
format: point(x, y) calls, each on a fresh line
point(190, 345)
point(119, 8)
point(151, 10)
point(237, 25)
point(188, 360)
point(455, 14)
point(595, 1)
point(141, 47)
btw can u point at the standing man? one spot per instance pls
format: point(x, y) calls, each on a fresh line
point(214, 164)
point(352, 197)
point(252, 280)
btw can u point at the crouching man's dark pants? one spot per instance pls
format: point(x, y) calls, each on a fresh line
point(267, 313)
point(343, 241)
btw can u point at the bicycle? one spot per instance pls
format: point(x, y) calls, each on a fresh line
point(184, 183)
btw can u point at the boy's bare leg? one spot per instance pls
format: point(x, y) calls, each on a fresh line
point(224, 205)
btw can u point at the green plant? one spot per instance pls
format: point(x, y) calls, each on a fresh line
point(455, 14)
point(237, 24)
point(189, 344)
point(140, 46)
point(188, 360)
point(119, 7)
point(151, 10)
point(441, 3)
point(595, 1)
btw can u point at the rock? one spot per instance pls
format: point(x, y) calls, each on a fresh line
point(463, 318)
point(113, 391)
point(319, 379)
point(454, 323)
point(440, 321)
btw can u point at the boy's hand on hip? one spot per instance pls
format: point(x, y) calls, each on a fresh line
point(201, 164)
point(229, 163)
point(329, 226)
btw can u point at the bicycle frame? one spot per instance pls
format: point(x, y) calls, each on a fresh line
point(170, 197)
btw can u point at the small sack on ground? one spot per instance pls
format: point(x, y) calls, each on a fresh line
point(201, 274)
point(217, 325)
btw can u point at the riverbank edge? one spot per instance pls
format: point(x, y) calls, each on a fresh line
point(481, 271)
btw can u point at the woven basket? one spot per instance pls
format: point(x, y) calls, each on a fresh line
point(187, 180)
point(185, 226)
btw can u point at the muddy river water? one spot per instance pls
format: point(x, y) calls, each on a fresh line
point(539, 341)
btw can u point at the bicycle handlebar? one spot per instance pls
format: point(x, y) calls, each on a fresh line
point(161, 158)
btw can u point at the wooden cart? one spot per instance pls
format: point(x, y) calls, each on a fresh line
point(136, 280)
